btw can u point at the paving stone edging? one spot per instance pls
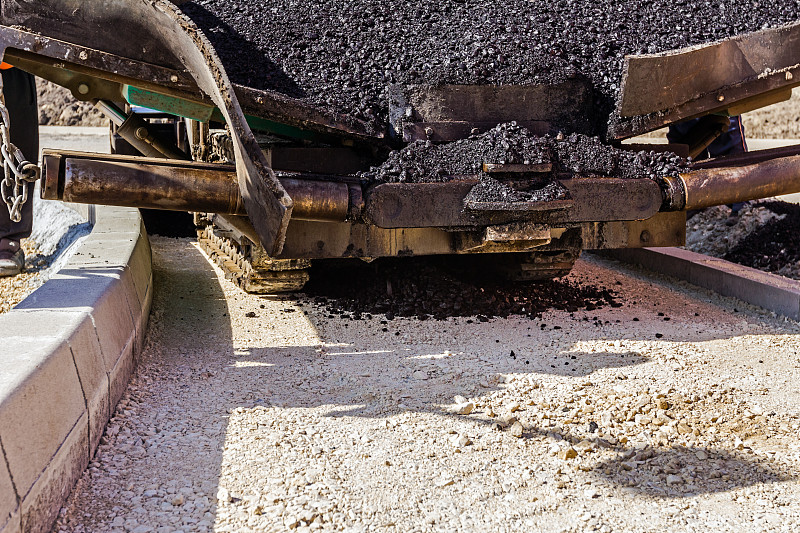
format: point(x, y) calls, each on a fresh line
point(769, 291)
point(67, 352)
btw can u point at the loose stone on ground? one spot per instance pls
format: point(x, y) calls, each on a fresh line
point(303, 420)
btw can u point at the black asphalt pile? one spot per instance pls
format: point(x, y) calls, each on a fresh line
point(423, 161)
point(491, 190)
point(420, 287)
point(344, 54)
point(773, 246)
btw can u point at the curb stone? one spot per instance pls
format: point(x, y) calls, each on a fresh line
point(67, 354)
point(769, 291)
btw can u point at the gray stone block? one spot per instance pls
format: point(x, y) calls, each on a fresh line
point(9, 505)
point(115, 219)
point(94, 379)
point(110, 250)
point(67, 364)
point(119, 376)
point(769, 291)
point(76, 328)
point(102, 294)
point(40, 507)
point(40, 402)
point(140, 265)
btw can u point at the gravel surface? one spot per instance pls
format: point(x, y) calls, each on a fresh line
point(778, 121)
point(14, 289)
point(676, 412)
point(511, 144)
point(345, 54)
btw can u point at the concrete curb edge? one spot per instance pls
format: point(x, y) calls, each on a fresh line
point(68, 352)
point(769, 291)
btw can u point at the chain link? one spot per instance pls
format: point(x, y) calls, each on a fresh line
point(17, 171)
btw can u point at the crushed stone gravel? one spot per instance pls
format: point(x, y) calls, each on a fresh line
point(344, 55)
point(677, 411)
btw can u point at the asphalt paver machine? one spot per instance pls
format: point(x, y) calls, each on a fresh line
point(276, 183)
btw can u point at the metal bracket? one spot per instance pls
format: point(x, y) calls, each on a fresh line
point(514, 237)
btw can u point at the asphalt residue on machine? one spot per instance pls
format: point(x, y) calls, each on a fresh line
point(491, 190)
point(423, 161)
point(774, 245)
point(345, 54)
point(425, 288)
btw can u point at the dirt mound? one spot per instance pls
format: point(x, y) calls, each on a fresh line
point(774, 246)
point(57, 107)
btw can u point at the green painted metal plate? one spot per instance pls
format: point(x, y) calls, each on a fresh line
point(168, 104)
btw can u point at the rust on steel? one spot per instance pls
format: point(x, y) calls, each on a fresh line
point(105, 73)
point(744, 72)
point(179, 186)
point(747, 158)
point(415, 205)
point(163, 32)
point(717, 186)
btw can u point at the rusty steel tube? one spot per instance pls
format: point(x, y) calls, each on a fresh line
point(179, 186)
point(718, 186)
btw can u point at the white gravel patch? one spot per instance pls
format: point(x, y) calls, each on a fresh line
point(676, 412)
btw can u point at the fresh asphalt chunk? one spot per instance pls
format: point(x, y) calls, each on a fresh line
point(344, 55)
point(773, 246)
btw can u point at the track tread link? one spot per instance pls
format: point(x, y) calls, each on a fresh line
point(266, 277)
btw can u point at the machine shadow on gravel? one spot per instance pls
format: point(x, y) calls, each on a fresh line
point(429, 378)
point(196, 380)
point(356, 384)
point(169, 428)
point(661, 471)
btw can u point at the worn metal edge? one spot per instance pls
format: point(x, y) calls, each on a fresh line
point(75, 340)
point(768, 291)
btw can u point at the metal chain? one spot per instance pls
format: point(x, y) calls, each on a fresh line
point(17, 171)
